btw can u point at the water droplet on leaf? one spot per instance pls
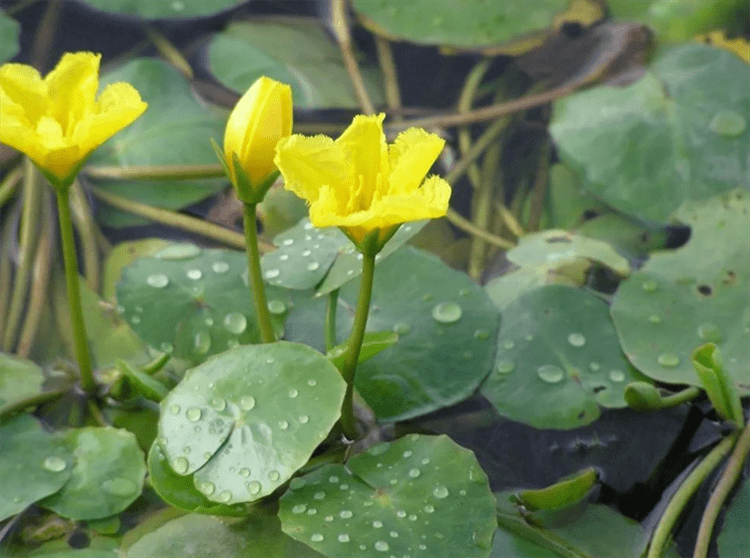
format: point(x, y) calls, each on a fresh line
point(235, 322)
point(247, 402)
point(505, 366)
point(617, 375)
point(180, 465)
point(193, 414)
point(276, 307)
point(670, 360)
point(728, 123)
point(577, 339)
point(194, 274)
point(54, 464)
point(220, 267)
point(550, 373)
point(440, 491)
point(158, 280)
point(710, 332)
point(447, 312)
point(178, 252)
point(202, 342)
point(218, 404)
point(119, 487)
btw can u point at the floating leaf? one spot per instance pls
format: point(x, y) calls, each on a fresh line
point(558, 359)
point(19, 380)
point(298, 52)
point(107, 476)
point(175, 130)
point(417, 496)
point(244, 421)
point(33, 464)
point(699, 293)
point(164, 8)
point(679, 133)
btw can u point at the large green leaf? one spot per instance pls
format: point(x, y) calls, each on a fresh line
point(33, 464)
point(107, 476)
point(696, 294)
point(258, 536)
point(194, 302)
point(417, 496)
point(174, 130)
point(164, 8)
point(19, 379)
point(466, 23)
point(9, 33)
point(244, 421)
point(297, 52)
point(558, 360)
point(679, 133)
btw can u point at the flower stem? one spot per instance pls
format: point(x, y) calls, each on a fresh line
point(683, 495)
point(253, 270)
point(330, 332)
point(355, 344)
point(720, 494)
point(74, 294)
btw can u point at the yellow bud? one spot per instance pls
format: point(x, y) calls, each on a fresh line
point(260, 119)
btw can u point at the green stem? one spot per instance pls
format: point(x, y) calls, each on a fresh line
point(330, 332)
point(720, 493)
point(253, 269)
point(683, 396)
point(683, 495)
point(74, 293)
point(355, 344)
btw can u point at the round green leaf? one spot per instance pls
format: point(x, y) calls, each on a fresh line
point(33, 464)
point(124, 254)
point(258, 536)
point(679, 133)
point(696, 294)
point(193, 302)
point(174, 130)
point(19, 379)
point(446, 326)
point(164, 8)
point(558, 359)
point(9, 33)
point(418, 496)
point(246, 420)
point(734, 539)
point(298, 52)
point(107, 476)
point(461, 23)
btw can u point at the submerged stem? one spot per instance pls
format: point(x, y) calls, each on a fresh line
point(253, 270)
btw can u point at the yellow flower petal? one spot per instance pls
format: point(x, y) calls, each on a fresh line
point(411, 157)
point(57, 121)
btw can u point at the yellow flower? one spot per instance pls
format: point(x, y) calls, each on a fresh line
point(360, 183)
point(57, 120)
point(260, 119)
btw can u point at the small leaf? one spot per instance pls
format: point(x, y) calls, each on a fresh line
point(150, 387)
point(372, 344)
point(718, 385)
point(562, 493)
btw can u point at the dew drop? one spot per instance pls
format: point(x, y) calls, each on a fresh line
point(303, 419)
point(408, 453)
point(209, 321)
point(316, 537)
point(377, 524)
point(174, 409)
point(447, 312)
point(253, 487)
point(550, 373)
point(312, 266)
point(401, 514)
point(481, 334)
point(654, 319)
point(247, 402)
point(218, 404)
point(178, 252)
point(271, 273)
point(284, 257)
point(381, 546)
point(135, 320)
point(193, 414)
point(412, 517)
point(158, 280)
point(276, 307)
point(427, 297)
point(119, 486)
point(728, 123)
point(414, 473)
point(509, 344)
point(207, 488)
point(595, 366)
point(194, 274)
point(649, 286)
point(224, 496)
point(440, 491)
point(293, 393)
point(312, 511)
point(180, 465)
point(402, 328)
point(54, 464)
point(202, 342)
point(505, 366)
point(425, 461)
point(669, 360)
point(220, 267)
point(186, 450)
point(343, 537)
point(245, 472)
point(346, 514)
point(234, 322)
point(393, 534)
point(329, 518)
point(312, 383)
point(710, 332)
point(287, 242)
point(429, 508)
point(616, 375)
point(274, 475)
point(577, 339)
point(232, 343)
point(299, 508)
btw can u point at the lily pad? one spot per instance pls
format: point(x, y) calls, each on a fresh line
point(446, 324)
point(257, 536)
point(517, 24)
point(174, 130)
point(679, 133)
point(193, 302)
point(699, 293)
point(244, 421)
point(299, 52)
point(418, 496)
point(107, 476)
point(164, 8)
point(33, 464)
point(19, 379)
point(122, 255)
point(558, 360)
